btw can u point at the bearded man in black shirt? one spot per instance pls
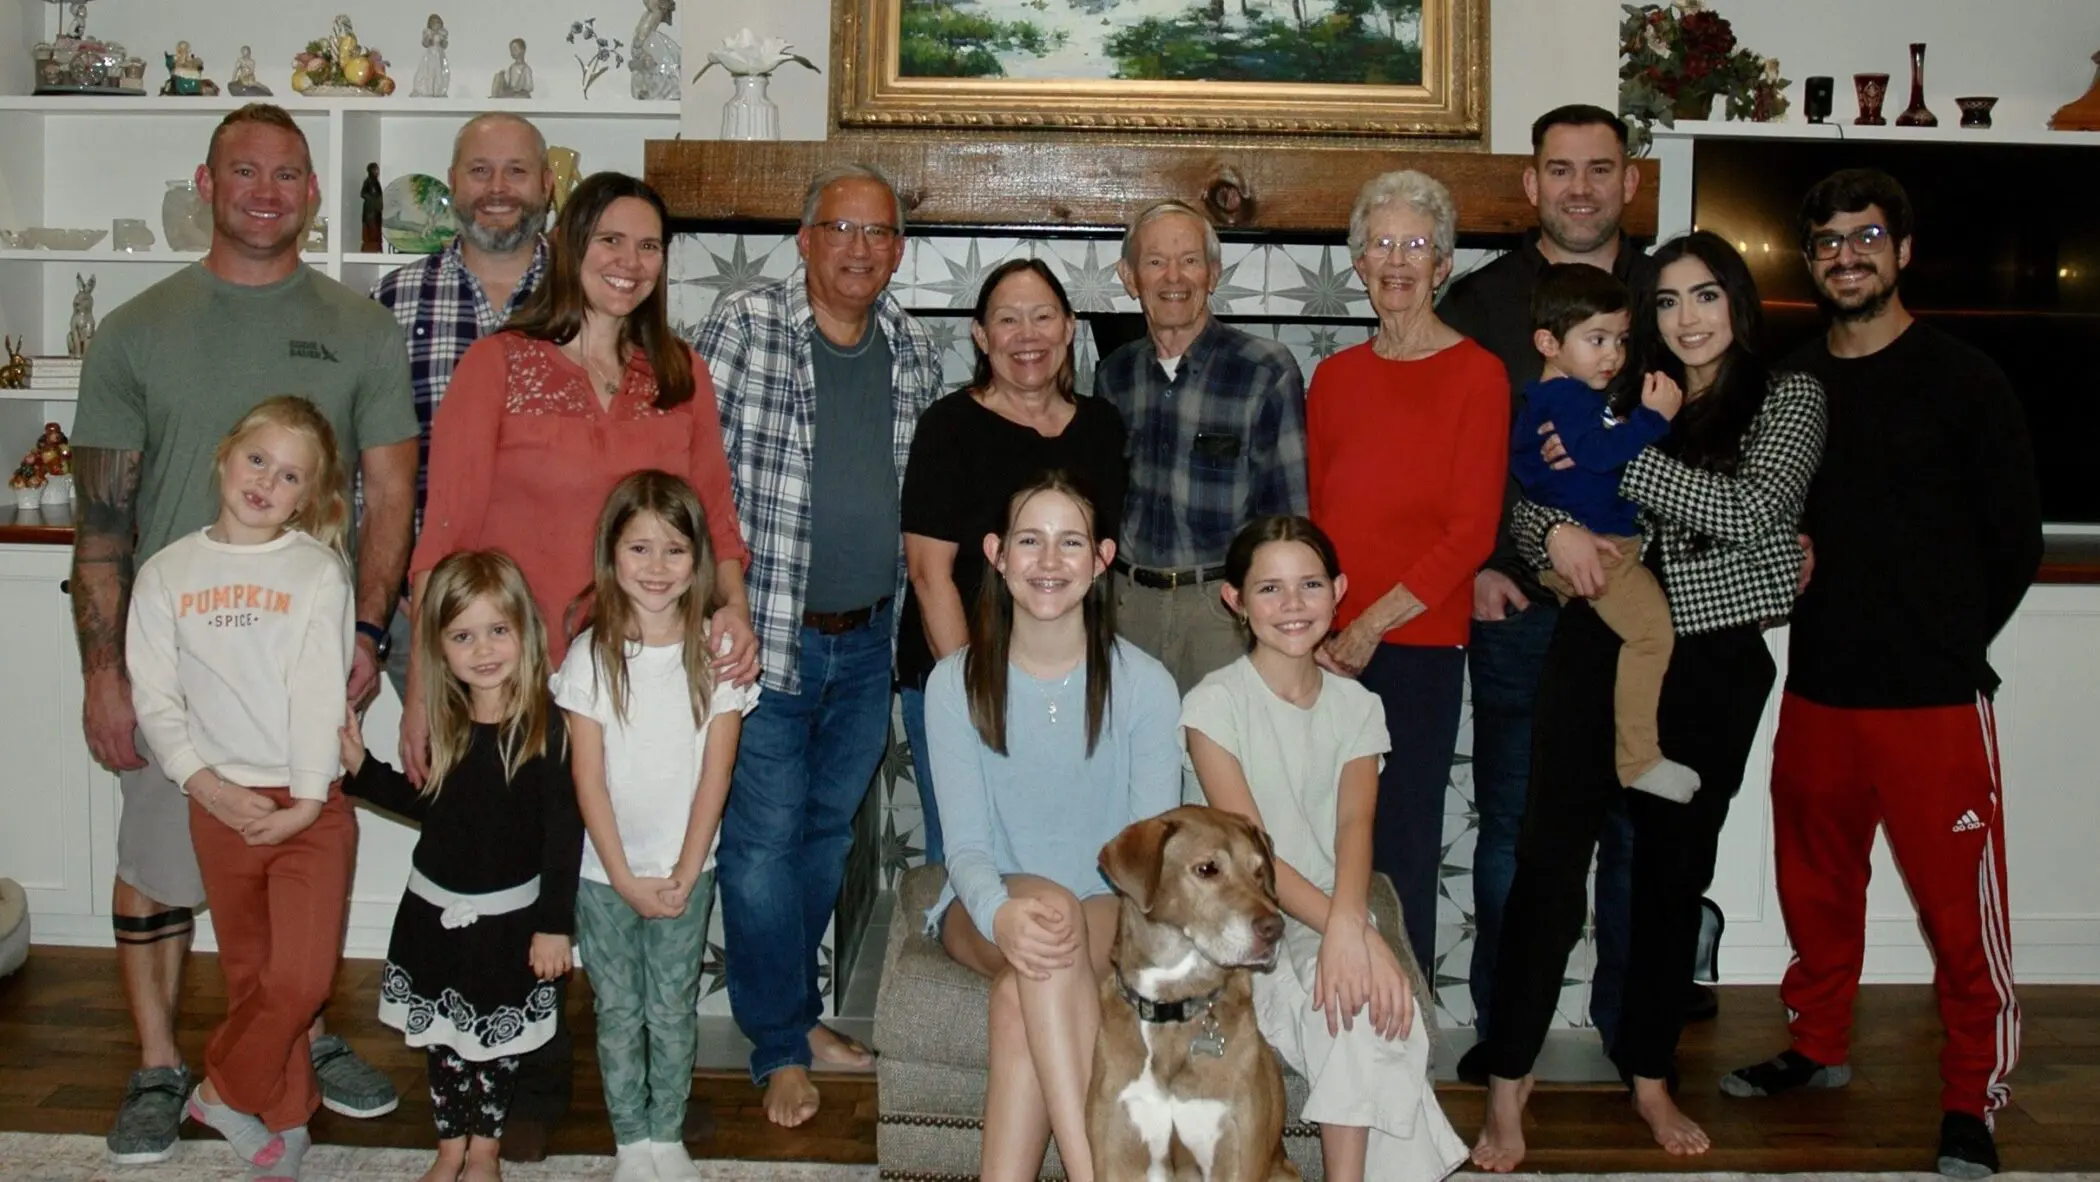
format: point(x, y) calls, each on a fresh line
point(1924, 532)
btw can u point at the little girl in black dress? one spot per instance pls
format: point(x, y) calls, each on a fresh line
point(483, 931)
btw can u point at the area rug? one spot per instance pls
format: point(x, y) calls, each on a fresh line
point(42, 1157)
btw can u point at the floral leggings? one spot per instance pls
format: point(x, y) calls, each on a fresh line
point(470, 1099)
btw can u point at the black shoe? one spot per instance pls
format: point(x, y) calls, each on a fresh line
point(1701, 1004)
point(1473, 1065)
point(1967, 1150)
point(523, 1141)
point(1788, 1070)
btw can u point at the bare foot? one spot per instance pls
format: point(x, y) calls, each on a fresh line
point(451, 1156)
point(791, 1099)
point(1501, 1145)
point(835, 1052)
point(1673, 1130)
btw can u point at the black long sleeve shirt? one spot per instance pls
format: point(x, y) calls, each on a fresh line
point(1927, 525)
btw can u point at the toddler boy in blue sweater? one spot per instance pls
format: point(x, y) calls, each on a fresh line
point(1580, 320)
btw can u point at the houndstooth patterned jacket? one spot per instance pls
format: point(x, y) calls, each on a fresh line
point(1730, 553)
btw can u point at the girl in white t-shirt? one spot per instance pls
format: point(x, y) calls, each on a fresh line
point(1275, 738)
point(652, 741)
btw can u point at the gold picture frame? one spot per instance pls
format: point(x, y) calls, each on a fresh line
point(872, 89)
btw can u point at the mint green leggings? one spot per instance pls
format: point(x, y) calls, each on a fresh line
point(645, 975)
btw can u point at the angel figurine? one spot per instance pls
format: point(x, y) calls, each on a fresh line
point(434, 75)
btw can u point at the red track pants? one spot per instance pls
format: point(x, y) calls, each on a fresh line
point(1930, 776)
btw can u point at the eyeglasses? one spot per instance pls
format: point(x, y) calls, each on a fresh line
point(842, 232)
point(1865, 240)
point(1414, 250)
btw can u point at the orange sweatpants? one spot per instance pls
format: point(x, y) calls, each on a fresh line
point(278, 912)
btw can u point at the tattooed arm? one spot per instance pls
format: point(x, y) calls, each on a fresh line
point(104, 546)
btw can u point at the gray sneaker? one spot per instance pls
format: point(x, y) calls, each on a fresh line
point(349, 1085)
point(151, 1114)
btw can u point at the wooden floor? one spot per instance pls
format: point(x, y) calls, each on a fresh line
point(66, 1047)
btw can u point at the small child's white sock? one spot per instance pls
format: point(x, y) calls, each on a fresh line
point(633, 1162)
point(249, 1137)
point(673, 1164)
point(1670, 780)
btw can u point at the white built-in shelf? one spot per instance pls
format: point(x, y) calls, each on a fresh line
point(1948, 132)
point(103, 255)
point(65, 394)
point(378, 259)
point(606, 108)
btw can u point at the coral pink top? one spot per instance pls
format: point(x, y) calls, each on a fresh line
point(523, 455)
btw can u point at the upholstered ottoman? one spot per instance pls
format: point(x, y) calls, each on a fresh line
point(14, 926)
point(930, 1027)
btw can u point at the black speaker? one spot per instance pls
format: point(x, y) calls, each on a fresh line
point(1817, 103)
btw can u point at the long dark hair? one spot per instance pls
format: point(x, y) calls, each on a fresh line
point(982, 378)
point(615, 632)
point(554, 310)
point(1708, 432)
point(992, 630)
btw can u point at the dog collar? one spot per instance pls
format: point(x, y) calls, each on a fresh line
point(1188, 1009)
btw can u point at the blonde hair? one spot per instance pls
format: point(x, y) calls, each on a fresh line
point(454, 584)
point(324, 506)
point(611, 618)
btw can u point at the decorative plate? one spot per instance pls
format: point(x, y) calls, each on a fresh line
point(416, 214)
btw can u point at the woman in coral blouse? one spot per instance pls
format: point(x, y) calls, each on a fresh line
point(1406, 454)
point(586, 384)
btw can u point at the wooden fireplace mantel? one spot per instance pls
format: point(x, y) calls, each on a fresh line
point(1074, 184)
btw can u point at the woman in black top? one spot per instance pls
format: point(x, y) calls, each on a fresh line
point(1720, 499)
point(1017, 419)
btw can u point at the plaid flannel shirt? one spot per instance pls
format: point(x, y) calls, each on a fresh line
point(1221, 443)
point(1730, 550)
point(441, 306)
point(756, 344)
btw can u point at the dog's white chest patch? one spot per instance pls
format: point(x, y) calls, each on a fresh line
point(1160, 1117)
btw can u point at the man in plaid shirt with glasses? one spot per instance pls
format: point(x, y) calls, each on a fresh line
point(1216, 422)
point(821, 379)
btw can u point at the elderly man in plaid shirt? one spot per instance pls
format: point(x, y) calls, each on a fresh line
point(821, 378)
point(501, 189)
point(1216, 422)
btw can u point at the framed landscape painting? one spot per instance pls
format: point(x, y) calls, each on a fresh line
point(1299, 67)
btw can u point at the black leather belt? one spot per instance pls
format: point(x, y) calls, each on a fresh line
point(1163, 579)
point(833, 623)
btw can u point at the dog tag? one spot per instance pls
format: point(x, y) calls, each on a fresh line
point(1209, 1040)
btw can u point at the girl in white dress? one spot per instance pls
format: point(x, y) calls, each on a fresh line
point(1275, 738)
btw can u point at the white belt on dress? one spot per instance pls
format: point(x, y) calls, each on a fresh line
point(457, 910)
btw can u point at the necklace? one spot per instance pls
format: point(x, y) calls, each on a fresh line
point(1048, 700)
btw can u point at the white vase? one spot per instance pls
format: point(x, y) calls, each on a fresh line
point(749, 114)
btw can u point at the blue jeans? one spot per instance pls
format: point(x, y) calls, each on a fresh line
point(1506, 657)
point(802, 769)
point(914, 708)
point(1421, 689)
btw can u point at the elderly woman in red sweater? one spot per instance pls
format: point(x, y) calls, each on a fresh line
point(1407, 450)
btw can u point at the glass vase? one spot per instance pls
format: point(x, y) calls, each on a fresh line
point(185, 217)
point(1916, 115)
point(749, 114)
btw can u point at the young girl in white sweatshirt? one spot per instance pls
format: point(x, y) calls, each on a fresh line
point(238, 645)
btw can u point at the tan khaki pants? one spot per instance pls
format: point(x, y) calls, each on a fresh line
point(1186, 628)
point(1632, 605)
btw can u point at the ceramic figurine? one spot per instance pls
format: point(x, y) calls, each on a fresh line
point(515, 80)
point(338, 65)
point(186, 74)
point(244, 83)
point(15, 374)
point(371, 206)
point(653, 55)
point(82, 328)
point(433, 75)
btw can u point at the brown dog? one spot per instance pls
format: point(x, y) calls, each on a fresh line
point(1184, 1084)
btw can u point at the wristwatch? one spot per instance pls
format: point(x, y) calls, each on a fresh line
point(382, 640)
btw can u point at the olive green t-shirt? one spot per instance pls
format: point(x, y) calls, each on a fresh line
point(173, 369)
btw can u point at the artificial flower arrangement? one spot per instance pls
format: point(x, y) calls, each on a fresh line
point(1675, 59)
point(745, 56)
